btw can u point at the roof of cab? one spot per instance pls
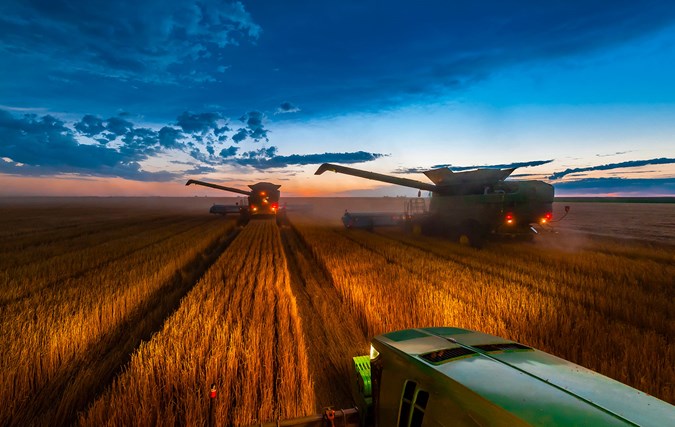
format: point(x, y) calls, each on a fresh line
point(531, 384)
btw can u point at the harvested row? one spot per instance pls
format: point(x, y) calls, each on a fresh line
point(240, 329)
point(517, 298)
point(60, 339)
point(333, 335)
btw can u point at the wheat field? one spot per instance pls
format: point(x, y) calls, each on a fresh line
point(117, 316)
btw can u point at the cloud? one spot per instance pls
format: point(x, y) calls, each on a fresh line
point(254, 124)
point(117, 126)
point(266, 158)
point(45, 145)
point(201, 169)
point(143, 41)
point(90, 125)
point(646, 187)
point(230, 151)
point(201, 123)
point(287, 107)
point(618, 153)
point(169, 137)
point(464, 168)
point(628, 164)
point(39, 146)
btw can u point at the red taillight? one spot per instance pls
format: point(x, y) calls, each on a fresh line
point(546, 218)
point(509, 218)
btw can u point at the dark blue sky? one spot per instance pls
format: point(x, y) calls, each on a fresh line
point(157, 91)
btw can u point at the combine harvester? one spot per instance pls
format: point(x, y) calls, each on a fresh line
point(263, 201)
point(457, 377)
point(468, 206)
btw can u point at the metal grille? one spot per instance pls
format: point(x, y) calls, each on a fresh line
point(502, 347)
point(439, 356)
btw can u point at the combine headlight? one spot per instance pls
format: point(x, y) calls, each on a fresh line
point(373, 353)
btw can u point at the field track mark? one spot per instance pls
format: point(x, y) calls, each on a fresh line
point(78, 385)
point(333, 336)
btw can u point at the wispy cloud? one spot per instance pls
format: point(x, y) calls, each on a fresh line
point(464, 168)
point(627, 164)
point(656, 186)
point(268, 159)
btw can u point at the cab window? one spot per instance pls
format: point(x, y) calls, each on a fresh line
point(413, 404)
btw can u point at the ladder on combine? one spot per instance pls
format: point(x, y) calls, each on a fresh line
point(414, 207)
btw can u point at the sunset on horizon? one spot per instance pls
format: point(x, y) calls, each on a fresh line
point(99, 98)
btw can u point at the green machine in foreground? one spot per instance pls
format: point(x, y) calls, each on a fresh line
point(457, 377)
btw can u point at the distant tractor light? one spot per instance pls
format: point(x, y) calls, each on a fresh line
point(254, 208)
point(509, 218)
point(373, 353)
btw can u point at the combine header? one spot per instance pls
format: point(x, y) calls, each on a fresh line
point(448, 376)
point(467, 206)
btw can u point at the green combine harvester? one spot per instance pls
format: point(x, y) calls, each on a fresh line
point(468, 206)
point(457, 377)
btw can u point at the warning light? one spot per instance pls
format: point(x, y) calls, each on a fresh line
point(262, 193)
point(547, 217)
point(254, 208)
point(509, 218)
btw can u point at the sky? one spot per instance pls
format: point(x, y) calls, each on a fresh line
point(130, 98)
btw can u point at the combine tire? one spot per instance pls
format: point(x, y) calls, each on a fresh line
point(470, 234)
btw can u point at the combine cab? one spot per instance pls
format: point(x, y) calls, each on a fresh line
point(457, 377)
point(467, 206)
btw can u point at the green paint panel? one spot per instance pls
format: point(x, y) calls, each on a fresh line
point(447, 331)
point(405, 335)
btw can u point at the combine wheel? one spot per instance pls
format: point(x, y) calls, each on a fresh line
point(470, 234)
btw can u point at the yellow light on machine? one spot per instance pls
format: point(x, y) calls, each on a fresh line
point(373, 353)
point(509, 219)
point(546, 218)
point(254, 208)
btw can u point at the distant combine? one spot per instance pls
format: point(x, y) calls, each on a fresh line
point(468, 206)
point(262, 202)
